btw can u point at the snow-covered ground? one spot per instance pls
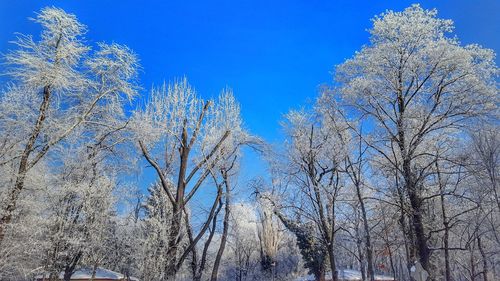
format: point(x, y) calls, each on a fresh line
point(347, 274)
point(86, 273)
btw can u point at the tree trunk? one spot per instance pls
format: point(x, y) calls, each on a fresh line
point(94, 271)
point(417, 224)
point(484, 258)
point(13, 196)
point(369, 249)
point(391, 260)
point(70, 269)
point(194, 254)
point(225, 230)
point(361, 258)
point(445, 225)
point(67, 275)
point(177, 210)
point(447, 255)
point(409, 251)
point(422, 248)
point(207, 243)
point(333, 264)
point(411, 186)
point(331, 239)
point(472, 265)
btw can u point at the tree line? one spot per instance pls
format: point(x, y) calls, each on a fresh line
point(394, 164)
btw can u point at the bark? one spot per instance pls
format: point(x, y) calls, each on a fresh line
point(411, 184)
point(421, 245)
point(194, 254)
point(70, 269)
point(361, 258)
point(409, 251)
point(202, 232)
point(175, 226)
point(391, 260)
point(333, 264)
point(472, 264)
point(445, 225)
point(331, 243)
point(484, 258)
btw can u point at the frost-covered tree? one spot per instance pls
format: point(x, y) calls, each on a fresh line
point(419, 87)
point(271, 236)
point(354, 160)
point(22, 247)
point(482, 235)
point(315, 157)
point(242, 242)
point(183, 138)
point(58, 86)
point(224, 174)
point(312, 168)
point(81, 208)
point(397, 163)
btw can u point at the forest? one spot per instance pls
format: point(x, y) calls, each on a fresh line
point(391, 168)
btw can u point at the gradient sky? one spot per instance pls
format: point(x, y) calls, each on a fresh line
point(273, 54)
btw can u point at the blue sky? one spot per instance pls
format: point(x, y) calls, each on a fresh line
point(273, 54)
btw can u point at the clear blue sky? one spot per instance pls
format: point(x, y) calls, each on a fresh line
point(273, 54)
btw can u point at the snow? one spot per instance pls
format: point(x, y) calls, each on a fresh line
point(101, 273)
point(346, 274)
point(350, 274)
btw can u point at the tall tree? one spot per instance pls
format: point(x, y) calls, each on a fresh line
point(350, 139)
point(313, 168)
point(72, 86)
point(418, 86)
point(189, 135)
